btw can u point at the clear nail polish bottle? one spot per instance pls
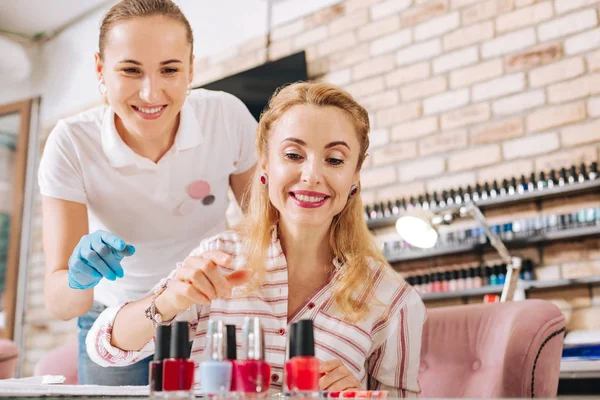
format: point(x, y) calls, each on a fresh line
point(504, 188)
point(512, 188)
point(216, 371)
point(562, 177)
point(467, 197)
point(572, 174)
point(552, 179)
point(532, 182)
point(582, 173)
point(593, 174)
point(542, 183)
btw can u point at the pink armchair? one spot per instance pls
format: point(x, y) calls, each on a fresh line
point(60, 361)
point(492, 350)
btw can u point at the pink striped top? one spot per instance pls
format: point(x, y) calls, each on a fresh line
point(382, 350)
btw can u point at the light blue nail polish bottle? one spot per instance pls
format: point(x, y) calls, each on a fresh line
point(215, 371)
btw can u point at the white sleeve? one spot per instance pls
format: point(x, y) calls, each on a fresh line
point(59, 174)
point(242, 129)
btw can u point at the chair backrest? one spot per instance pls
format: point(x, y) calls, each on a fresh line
point(60, 361)
point(492, 350)
point(9, 356)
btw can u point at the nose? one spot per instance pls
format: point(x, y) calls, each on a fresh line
point(312, 173)
point(150, 91)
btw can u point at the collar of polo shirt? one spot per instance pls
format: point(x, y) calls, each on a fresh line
point(120, 155)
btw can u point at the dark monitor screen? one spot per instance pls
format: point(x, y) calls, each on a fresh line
point(255, 86)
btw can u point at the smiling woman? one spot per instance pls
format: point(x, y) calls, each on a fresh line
point(128, 188)
point(302, 253)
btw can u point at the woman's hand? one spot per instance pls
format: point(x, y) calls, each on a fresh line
point(199, 281)
point(336, 377)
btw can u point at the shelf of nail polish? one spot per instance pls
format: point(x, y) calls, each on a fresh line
point(496, 289)
point(565, 182)
point(517, 233)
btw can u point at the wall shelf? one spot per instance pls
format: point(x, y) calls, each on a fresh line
point(544, 237)
point(496, 289)
point(508, 200)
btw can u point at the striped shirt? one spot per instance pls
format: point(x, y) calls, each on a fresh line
point(382, 350)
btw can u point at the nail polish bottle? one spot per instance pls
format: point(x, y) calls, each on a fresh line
point(453, 282)
point(468, 194)
point(487, 273)
point(427, 202)
point(593, 174)
point(532, 182)
point(379, 211)
point(562, 177)
point(451, 196)
point(582, 173)
point(163, 342)
point(522, 185)
point(426, 283)
point(552, 179)
point(254, 373)
point(494, 275)
point(486, 192)
point(477, 280)
point(477, 195)
point(572, 174)
point(435, 201)
point(502, 274)
point(305, 365)
point(495, 190)
point(367, 214)
point(446, 281)
point(459, 196)
point(504, 188)
point(542, 183)
point(373, 213)
point(411, 204)
point(215, 370)
point(397, 207)
point(178, 369)
point(232, 354)
point(419, 284)
point(527, 272)
point(443, 199)
point(469, 280)
point(390, 208)
point(512, 188)
point(420, 201)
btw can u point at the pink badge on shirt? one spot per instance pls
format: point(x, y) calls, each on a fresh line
point(200, 190)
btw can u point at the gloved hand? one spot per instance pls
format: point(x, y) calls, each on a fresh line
point(97, 255)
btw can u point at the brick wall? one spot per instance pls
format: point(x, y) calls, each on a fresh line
point(459, 92)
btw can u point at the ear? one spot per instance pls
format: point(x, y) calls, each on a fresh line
point(356, 179)
point(263, 164)
point(99, 65)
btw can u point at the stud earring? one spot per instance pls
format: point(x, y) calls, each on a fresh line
point(264, 179)
point(353, 191)
point(101, 87)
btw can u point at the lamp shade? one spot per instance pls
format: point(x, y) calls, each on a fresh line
point(417, 231)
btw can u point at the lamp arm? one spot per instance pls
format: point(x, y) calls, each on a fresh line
point(513, 263)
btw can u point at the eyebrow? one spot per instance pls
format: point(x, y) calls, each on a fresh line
point(327, 146)
point(130, 61)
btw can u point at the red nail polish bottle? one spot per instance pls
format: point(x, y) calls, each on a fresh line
point(305, 366)
point(163, 341)
point(252, 373)
point(178, 370)
point(232, 353)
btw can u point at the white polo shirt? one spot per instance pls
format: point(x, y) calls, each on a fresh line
point(164, 209)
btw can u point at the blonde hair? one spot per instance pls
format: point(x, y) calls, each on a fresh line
point(129, 9)
point(349, 238)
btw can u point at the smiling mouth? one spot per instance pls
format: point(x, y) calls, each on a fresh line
point(150, 111)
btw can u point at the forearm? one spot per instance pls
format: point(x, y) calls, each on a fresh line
point(62, 301)
point(131, 329)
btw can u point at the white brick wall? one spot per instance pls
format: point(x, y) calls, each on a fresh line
point(567, 25)
point(454, 60)
point(389, 7)
point(499, 87)
point(446, 101)
point(519, 103)
point(418, 52)
point(437, 26)
point(583, 42)
point(509, 43)
point(391, 42)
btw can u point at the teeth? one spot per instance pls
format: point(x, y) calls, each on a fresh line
point(309, 199)
point(150, 110)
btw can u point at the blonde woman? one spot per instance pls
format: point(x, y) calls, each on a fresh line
point(304, 251)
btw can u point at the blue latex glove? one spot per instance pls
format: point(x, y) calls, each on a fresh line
point(97, 255)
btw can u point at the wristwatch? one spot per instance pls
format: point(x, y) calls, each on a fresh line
point(151, 313)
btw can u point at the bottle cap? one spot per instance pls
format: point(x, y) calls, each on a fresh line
point(180, 340)
point(305, 338)
point(231, 342)
point(292, 334)
point(253, 339)
point(163, 342)
point(216, 340)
